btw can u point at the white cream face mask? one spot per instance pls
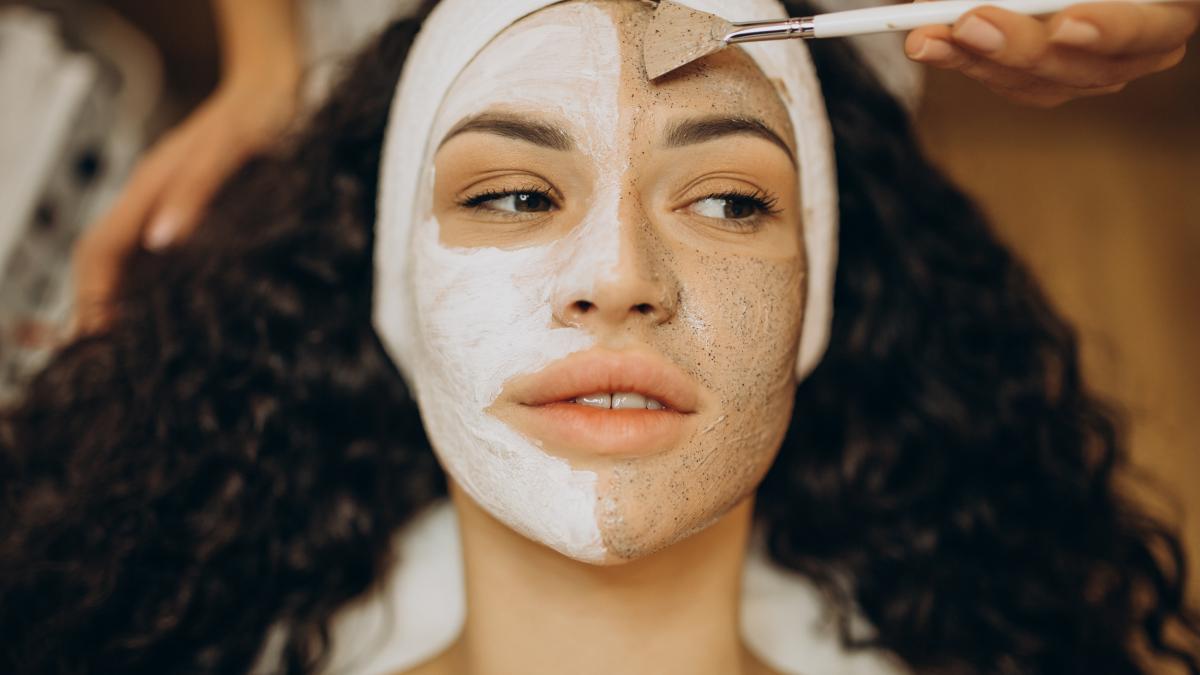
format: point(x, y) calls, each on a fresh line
point(475, 307)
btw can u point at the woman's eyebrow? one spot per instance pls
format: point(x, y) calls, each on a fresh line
point(702, 129)
point(514, 126)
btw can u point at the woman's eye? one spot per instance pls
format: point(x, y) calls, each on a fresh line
point(729, 207)
point(518, 202)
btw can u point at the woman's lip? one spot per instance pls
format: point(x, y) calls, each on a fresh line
point(545, 410)
point(602, 371)
point(574, 430)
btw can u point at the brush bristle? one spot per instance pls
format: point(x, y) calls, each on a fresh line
point(678, 35)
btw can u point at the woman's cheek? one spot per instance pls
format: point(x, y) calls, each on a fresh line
point(741, 316)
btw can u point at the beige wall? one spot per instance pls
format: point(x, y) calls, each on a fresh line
point(1102, 199)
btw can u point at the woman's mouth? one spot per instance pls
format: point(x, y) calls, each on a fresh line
point(625, 400)
point(602, 402)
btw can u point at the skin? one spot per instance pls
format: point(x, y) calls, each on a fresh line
point(534, 612)
point(721, 298)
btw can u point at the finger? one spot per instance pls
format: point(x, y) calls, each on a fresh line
point(1064, 68)
point(930, 44)
point(941, 51)
point(1018, 85)
point(1076, 68)
point(1025, 57)
point(187, 198)
point(1118, 28)
point(1004, 37)
point(120, 226)
point(103, 247)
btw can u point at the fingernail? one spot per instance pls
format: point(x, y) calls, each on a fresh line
point(933, 50)
point(979, 35)
point(160, 233)
point(1075, 33)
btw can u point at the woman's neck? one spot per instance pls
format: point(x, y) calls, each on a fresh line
point(531, 610)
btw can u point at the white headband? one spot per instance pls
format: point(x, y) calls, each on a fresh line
point(457, 30)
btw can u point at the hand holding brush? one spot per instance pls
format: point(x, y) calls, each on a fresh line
point(1039, 52)
point(1084, 50)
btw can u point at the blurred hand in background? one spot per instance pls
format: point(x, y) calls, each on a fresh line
point(173, 183)
point(1085, 50)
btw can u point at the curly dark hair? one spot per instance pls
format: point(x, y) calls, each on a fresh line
point(227, 463)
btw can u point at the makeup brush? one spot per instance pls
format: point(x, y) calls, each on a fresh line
point(678, 35)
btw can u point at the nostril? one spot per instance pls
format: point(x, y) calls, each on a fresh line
point(583, 306)
point(644, 308)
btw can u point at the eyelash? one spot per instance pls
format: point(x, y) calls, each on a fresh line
point(763, 202)
point(477, 201)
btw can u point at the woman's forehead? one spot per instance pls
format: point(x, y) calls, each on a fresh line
point(581, 62)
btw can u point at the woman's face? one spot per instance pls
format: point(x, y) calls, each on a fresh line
point(609, 283)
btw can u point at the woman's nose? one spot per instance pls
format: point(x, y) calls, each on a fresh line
point(638, 288)
point(606, 307)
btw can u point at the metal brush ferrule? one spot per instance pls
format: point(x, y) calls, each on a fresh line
point(782, 29)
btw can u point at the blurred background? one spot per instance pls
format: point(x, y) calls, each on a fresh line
point(1101, 197)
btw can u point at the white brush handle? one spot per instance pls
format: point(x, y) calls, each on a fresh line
point(914, 15)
